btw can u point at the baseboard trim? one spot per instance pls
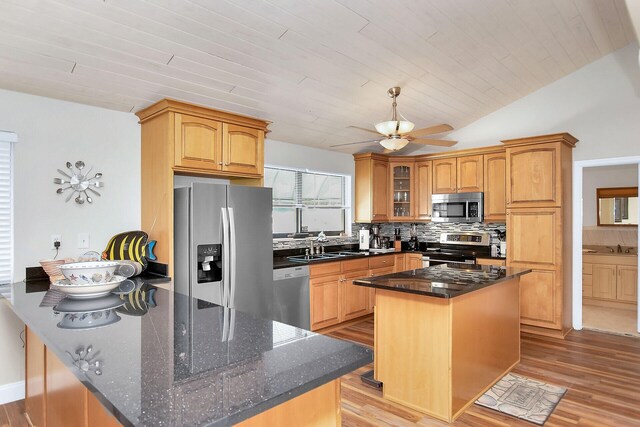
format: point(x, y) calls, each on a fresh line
point(11, 392)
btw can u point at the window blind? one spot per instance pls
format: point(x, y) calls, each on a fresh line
point(6, 211)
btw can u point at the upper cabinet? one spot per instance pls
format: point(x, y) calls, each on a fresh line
point(535, 170)
point(495, 187)
point(470, 174)
point(198, 143)
point(186, 139)
point(444, 176)
point(458, 175)
point(423, 178)
point(371, 188)
point(403, 190)
point(242, 150)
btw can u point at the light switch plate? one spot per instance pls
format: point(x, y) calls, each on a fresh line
point(83, 240)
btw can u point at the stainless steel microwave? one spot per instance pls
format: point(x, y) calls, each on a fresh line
point(457, 207)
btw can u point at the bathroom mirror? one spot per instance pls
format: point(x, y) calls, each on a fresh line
point(617, 206)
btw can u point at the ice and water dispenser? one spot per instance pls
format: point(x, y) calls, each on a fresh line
point(209, 263)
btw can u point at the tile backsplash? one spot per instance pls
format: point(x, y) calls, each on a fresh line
point(605, 236)
point(427, 232)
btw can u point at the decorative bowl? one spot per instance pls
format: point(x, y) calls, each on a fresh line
point(89, 320)
point(87, 290)
point(89, 273)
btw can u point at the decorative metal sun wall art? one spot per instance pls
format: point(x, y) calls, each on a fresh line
point(79, 182)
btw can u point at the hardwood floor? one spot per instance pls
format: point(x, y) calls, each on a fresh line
point(600, 371)
point(12, 415)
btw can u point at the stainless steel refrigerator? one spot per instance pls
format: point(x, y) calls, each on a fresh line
point(223, 249)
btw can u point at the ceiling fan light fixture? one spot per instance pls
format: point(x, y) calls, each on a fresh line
point(394, 144)
point(394, 127)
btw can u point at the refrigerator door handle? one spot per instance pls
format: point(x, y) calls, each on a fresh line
point(232, 260)
point(225, 258)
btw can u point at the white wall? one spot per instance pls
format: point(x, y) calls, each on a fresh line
point(599, 104)
point(52, 132)
point(603, 177)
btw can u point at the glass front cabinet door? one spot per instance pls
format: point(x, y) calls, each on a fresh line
point(402, 203)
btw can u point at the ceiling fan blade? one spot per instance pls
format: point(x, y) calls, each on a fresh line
point(365, 129)
point(438, 142)
point(432, 130)
point(354, 143)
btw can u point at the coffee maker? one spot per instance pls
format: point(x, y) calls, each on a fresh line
point(413, 241)
point(374, 241)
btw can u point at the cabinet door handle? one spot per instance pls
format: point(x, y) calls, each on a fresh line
point(220, 163)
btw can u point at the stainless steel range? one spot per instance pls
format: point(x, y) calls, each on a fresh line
point(462, 247)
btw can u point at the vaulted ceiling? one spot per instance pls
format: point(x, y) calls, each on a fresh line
point(312, 67)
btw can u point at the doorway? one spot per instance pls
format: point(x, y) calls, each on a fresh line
point(596, 253)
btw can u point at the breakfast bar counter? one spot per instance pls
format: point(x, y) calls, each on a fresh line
point(445, 334)
point(158, 358)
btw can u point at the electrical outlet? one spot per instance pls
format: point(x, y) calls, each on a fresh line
point(83, 240)
point(56, 238)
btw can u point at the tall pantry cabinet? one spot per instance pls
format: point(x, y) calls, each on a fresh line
point(539, 232)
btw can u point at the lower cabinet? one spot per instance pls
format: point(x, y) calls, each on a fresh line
point(610, 279)
point(334, 297)
point(541, 299)
point(413, 261)
point(54, 396)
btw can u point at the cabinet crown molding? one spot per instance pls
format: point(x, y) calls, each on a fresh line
point(172, 105)
point(565, 138)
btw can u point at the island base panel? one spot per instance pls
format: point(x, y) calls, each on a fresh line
point(438, 355)
point(319, 407)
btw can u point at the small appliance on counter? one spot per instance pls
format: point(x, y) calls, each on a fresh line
point(374, 241)
point(413, 240)
point(363, 235)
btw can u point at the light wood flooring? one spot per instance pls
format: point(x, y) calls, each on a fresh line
point(12, 415)
point(601, 372)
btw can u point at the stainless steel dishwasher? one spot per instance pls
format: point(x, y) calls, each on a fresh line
point(291, 296)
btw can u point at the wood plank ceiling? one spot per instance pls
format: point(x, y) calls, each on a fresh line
point(313, 67)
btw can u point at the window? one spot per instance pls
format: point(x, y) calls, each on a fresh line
point(308, 202)
point(6, 201)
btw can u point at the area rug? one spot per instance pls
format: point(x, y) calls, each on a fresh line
point(522, 397)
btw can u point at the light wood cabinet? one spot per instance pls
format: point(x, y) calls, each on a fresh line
point(627, 283)
point(399, 263)
point(198, 143)
point(445, 175)
point(35, 393)
point(491, 261)
point(539, 171)
point(610, 280)
point(401, 183)
point(372, 193)
point(534, 237)
point(355, 299)
point(242, 149)
point(423, 188)
point(413, 261)
point(539, 232)
point(325, 301)
point(495, 187)
point(54, 396)
point(178, 138)
point(470, 176)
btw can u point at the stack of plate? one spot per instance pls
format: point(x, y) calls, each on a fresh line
point(88, 279)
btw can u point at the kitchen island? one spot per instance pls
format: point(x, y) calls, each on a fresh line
point(445, 334)
point(163, 358)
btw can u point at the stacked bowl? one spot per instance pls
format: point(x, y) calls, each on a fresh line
point(88, 279)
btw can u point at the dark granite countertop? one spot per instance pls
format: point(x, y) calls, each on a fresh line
point(443, 281)
point(171, 360)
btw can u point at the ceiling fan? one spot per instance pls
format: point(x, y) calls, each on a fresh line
point(398, 132)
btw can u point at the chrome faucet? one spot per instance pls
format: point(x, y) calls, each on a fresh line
point(619, 249)
point(311, 247)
